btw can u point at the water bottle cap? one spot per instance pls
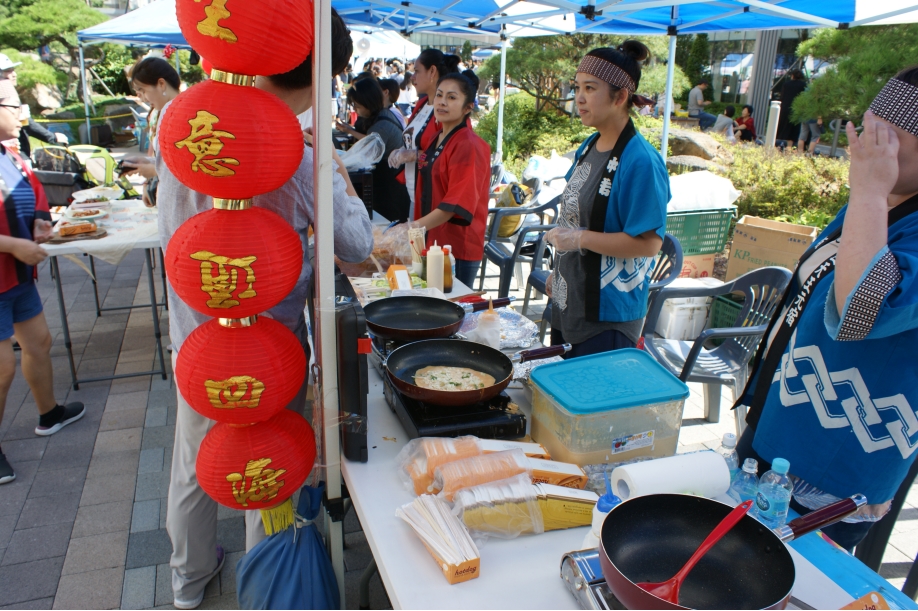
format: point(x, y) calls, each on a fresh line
point(780, 465)
point(751, 465)
point(607, 501)
point(729, 440)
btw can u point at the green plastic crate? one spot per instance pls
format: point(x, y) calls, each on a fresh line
point(701, 232)
point(724, 311)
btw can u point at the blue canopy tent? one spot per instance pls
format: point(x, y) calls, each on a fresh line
point(153, 25)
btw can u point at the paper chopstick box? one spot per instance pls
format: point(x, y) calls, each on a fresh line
point(530, 449)
point(557, 473)
point(457, 573)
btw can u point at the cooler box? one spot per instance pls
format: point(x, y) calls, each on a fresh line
point(607, 408)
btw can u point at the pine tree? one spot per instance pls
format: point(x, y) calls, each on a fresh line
point(699, 59)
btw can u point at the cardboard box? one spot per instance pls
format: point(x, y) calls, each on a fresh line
point(697, 266)
point(762, 243)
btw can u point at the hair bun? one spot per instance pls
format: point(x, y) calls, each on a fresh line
point(635, 49)
point(452, 63)
point(470, 74)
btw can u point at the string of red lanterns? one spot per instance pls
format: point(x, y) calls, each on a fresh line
point(235, 261)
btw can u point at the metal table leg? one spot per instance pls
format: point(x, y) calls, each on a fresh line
point(156, 331)
point(364, 588)
point(95, 285)
point(56, 272)
point(162, 263)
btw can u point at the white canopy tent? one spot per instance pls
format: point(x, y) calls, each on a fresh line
point(381, 44)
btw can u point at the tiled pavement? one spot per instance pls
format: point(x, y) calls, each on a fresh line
point(83, 526)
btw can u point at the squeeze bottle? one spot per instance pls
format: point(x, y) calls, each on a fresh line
point(447, 271)
point(600, 511)
point(435, 267)
point(488, 330)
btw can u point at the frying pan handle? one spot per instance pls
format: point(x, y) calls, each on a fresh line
point(828, 515)
point(540, 353)
point(483, 305)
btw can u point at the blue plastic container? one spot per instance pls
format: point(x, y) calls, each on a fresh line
point(607, 408)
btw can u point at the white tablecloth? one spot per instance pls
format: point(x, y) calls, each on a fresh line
point(129, 224)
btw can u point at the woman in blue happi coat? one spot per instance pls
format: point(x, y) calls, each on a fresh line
point(612, 217)
point(835, 384)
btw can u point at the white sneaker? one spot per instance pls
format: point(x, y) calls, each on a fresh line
point(194, 604)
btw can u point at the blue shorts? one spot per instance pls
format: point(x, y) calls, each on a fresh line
point(25, 304)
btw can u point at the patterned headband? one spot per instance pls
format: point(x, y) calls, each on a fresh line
point(607, 71)
point(897, 103)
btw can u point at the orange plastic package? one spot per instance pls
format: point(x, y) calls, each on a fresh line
point(454, 476)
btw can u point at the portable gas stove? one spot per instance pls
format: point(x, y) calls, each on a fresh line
point(497, 418)
point(583, 575)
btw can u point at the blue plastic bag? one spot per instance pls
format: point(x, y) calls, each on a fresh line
point(291, 569)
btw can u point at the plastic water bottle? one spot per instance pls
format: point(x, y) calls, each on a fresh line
point(727, 449)
point(773, 496)
point(600, 511)
point(745, 485)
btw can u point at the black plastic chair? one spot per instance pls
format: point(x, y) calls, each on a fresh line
point(496, 248)
point(538, 276)
point(727, 363)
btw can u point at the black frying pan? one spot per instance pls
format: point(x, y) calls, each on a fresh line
point(404, 362)
point(412, 318)
point(649, 538)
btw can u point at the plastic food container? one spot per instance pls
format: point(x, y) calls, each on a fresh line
point(606, 408)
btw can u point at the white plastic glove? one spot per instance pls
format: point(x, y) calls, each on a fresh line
point(565, 239)
point(400, 157)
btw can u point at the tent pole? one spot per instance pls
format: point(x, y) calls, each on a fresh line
point(668, 105)
point(85, 95)
point(326, 371)
point(500, 102)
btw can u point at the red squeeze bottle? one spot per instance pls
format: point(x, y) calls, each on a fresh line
point(447, 272)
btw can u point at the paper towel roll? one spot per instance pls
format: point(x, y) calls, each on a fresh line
point(701, 473)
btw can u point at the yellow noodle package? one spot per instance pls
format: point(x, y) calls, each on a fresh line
point(515, 506)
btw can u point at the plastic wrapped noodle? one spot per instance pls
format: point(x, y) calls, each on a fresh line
point(505, 509)
point(515, 506)
point(420, 457)
point(454, 476)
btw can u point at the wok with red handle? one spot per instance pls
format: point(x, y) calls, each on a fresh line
point(649, 538)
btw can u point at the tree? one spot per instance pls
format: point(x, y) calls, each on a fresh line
point(33, 24)
point(699, 59)
point(466, 53)
point(864, 57)
point(543, 66)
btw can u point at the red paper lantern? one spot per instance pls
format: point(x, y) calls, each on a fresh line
point(234, 263)
point(206, 66)
point(247, 37)
point(256, 466)
point(230, 142)
point(240, 374)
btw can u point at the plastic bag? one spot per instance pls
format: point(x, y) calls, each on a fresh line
point(365, 154)
point(420, 457)
point(452, 477)
point(389, 248)
point(513, 195)
point(546, 170)
point(291, 569)
point(504, 509)
point(701, 191)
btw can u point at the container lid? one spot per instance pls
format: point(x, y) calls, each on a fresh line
point(729, 440)
point(780, 465)
point(608, 381)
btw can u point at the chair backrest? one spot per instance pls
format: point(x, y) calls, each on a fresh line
point(541, 246)
point(99, 163)
point(763, 289)
point(668, 265)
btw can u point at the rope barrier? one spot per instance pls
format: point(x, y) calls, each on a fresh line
point(83, 120)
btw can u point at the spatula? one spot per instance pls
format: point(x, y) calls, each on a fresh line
point(669, 590)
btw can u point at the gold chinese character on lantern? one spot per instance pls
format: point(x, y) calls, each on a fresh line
point(262, 482)
point(205, 143)
point(233, 392)
point(211, 25)
point(222, 285)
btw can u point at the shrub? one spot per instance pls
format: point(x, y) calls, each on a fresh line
point(788, 187)
point(527, 132)
point(33, 71)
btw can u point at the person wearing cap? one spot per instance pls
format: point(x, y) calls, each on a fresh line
point(25, 222)
point(835, 386)
point(31, 128)
point(613, 212)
